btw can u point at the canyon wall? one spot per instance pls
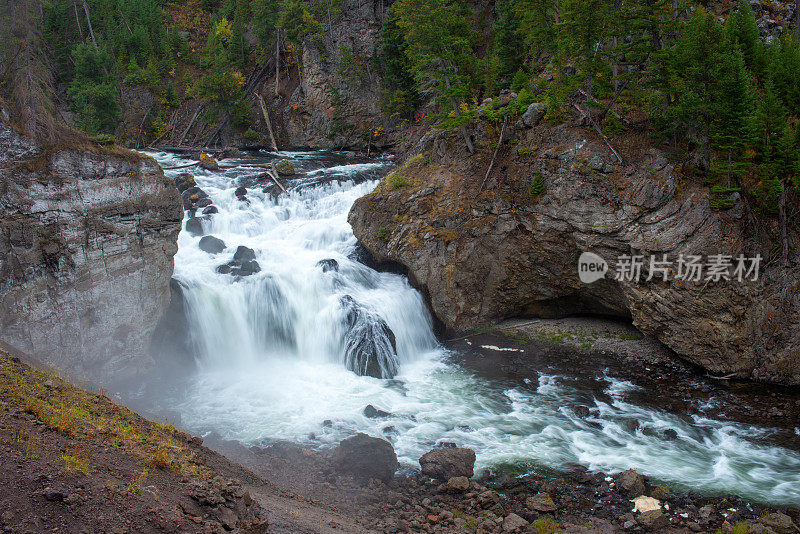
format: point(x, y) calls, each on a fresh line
point(87, 239)
point(485, 249)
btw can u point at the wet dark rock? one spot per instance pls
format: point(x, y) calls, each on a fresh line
point(445, 445)
point(328, 264)
point(194, 226)
point(248, 268)
point(224, 269)
point(366, 457)
point(230, 153)
point(373, 413)
point(327, 423)
point(204, 202)
point(240, 192)
point(370, 345)
point(444, 464)
point(390, 431)
point(211, 244)
point(670, 434)
point(210, 210)
point(243, 254)
point(631, 425)
point(581, 411)
point(632, 483)
point(184, 182)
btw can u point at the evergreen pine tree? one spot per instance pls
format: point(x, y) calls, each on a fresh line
point(507, 39)
point(440, 42)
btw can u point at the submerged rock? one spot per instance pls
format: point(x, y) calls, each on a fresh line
point(243, 254)
point(211, 244)
point(370, 345)
point(373, 413)
point(328, 264)
point(366, 457)
point(444, 464)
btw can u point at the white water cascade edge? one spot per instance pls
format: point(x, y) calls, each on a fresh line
point(270, 355)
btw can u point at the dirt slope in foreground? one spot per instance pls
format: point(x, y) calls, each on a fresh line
point(74, 461)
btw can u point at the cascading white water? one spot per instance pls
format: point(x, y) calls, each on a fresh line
point(273, 350)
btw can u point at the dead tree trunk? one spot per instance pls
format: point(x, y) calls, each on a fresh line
point(277, 61)
point(77, 18)
point(784, 238)
point(267, 121)
point(89, 22)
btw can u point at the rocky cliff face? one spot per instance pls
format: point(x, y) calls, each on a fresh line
point(509, 250)
point(335, 103)
point(87, 238)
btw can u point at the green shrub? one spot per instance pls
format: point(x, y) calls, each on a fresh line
point(396, 180)
point(537, 185)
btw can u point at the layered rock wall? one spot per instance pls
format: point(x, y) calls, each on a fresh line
point(87, 238)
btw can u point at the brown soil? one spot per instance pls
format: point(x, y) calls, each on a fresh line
point(73, 461)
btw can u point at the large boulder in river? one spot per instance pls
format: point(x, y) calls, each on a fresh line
point(208, 163)
point(366, 457)
point(370, 345)
point(444, 464)
point(511, 248)
point(211, 244)
point(194, 226)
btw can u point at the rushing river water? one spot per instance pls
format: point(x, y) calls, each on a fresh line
point(271, 353)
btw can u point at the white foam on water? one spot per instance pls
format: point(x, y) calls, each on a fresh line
point(270, 360)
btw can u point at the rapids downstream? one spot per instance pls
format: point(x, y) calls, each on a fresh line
point(274, 349)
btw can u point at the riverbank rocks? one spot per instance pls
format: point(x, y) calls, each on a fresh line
point(208, 163)
point(366, 457)
point(211, 244)
point(541, 502)
point(457, 485)
point(632, 482)
point(444, 464)
point(514, 523)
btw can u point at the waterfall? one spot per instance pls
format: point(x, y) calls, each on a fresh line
point(295, 345)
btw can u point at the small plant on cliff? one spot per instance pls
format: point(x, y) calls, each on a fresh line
point(383, 234)
point(537, 185)
point(396, 181)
